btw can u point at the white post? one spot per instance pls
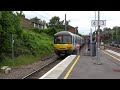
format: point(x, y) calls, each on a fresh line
point(91, 42)
point(13, 49)
point(98, 39)
point(65, 23)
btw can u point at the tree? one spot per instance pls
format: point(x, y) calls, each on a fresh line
point(9, 24)
point(55, 22)
point(35, 19)
point(79, 34)
point(20, 13)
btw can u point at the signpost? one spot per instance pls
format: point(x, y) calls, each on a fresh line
point(65, 23)
point(98, 23)
point(91, 42)
point(94, 23)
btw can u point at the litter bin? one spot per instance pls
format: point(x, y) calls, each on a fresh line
point(93, 48)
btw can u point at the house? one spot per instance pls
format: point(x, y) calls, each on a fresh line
point(26, 23)
point(72, 29)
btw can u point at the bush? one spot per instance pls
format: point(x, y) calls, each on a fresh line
point(51, 31)
point(37, 43)
point(37, 30)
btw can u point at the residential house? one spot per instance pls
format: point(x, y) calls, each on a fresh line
point(26, 23)
point(72, 29)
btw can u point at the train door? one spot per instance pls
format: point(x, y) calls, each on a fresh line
point(76, 42)
point(73, 42)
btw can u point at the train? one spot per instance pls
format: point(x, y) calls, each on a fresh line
point(66, 43)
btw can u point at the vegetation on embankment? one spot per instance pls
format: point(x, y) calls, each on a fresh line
point(29, 48)
point(29, 45)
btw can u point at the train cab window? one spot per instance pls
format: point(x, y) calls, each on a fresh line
point(67, 39)
point(58, 40)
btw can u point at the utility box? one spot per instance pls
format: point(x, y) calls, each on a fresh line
point(93, 48)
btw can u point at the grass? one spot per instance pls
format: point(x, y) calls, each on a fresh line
point(22, 60)
point(39, 44)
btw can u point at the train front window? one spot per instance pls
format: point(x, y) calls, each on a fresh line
point(58, 39)
point(67, 40)
point(63, 40)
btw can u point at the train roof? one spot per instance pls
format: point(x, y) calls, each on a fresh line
point(64, 33)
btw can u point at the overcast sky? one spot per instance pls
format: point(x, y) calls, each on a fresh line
point(82, 19)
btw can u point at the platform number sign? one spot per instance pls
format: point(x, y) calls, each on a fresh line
point(94, 23)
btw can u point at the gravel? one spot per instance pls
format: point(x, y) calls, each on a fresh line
point(19, 72)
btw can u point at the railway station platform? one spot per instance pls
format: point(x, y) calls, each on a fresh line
point(84, 66)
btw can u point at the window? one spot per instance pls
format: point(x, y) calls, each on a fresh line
point(63, 40)
point(34, 24)
point(38, 25)
point(58, 39)
point(67, 40)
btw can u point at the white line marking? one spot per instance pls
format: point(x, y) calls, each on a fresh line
point(118, 54)
point(56, 71)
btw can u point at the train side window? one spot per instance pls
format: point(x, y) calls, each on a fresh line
point(73, 41)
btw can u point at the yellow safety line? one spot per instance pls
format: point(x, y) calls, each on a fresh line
point(68, 73)
point(110, 55)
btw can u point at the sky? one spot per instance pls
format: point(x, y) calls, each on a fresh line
point(80, 19)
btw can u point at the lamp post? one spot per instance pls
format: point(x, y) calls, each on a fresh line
point(98, 40)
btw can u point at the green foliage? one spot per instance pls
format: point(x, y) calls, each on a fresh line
point(20, 13)
point(79, 34)
point(19, 61)
point(49, 31)
point(35, 19)
point(9, 24)
point(35, 42)
point(107, 34)
point(56, 23)
point(37, 30)
point(29, 44)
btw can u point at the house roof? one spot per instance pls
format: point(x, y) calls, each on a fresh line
point(40, 23)
point(71, 26)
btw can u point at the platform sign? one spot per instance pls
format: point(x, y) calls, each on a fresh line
point(94, 23)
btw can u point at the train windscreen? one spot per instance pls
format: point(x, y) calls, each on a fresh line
point(58, 40)
point(62, 40)
point(67, 40)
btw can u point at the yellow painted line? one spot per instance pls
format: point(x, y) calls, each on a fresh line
point(68, 73)
point(110, 55)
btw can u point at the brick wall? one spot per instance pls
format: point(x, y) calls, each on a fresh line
point(26, 23)
point(72, 29)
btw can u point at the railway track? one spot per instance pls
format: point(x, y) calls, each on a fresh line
point(45, 68)
point(116, 49)
point(42, 70)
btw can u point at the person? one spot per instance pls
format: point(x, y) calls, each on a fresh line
point(88, 44)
